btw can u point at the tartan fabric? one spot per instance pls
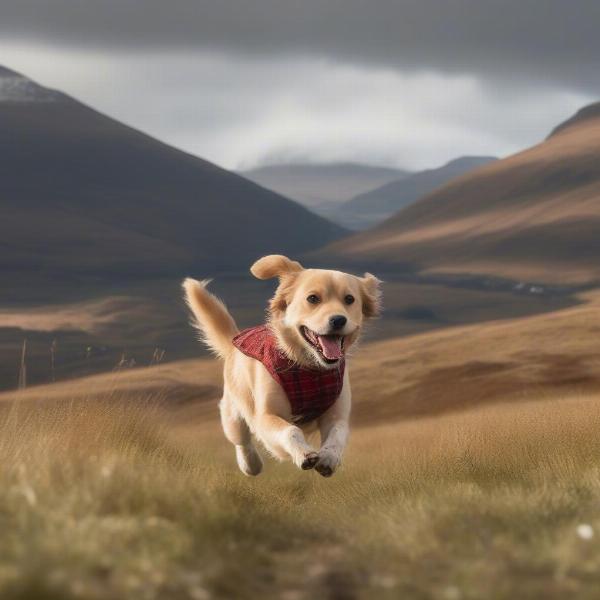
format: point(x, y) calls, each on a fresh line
point(310, 391)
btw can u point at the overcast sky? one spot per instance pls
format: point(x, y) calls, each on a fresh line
point(409, 83)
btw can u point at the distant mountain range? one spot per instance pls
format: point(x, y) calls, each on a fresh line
point(374, 206)
point(322, 188)
point(534, 216)
point(84, 195)
point(358, 196)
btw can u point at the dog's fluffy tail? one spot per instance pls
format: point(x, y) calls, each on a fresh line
point(211, 317)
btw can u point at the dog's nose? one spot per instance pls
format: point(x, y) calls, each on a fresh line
point(337, 321)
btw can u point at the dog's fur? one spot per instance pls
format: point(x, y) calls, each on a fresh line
point(253, 402)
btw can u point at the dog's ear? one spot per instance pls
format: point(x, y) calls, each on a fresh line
point(274, 265)
point(371, 295)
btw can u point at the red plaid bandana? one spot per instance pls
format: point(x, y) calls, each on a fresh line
point(310, 391)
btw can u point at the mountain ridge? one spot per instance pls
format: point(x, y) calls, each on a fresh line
point(84, 193)
point(322, 187)
point(533, 216)
point(374, 206)
point(16, 87)
point(591, 112)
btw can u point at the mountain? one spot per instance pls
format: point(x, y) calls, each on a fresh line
point(587, 113)
point(374, 206)
point(322, 187)
point(534, 216)
point(82, 194)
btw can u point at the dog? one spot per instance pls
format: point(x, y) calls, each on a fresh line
point(287, 378)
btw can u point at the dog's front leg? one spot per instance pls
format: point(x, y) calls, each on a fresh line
point(278, 435)
point(272, 424)
point(334, 434)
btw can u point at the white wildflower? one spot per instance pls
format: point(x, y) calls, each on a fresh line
point(585, 531)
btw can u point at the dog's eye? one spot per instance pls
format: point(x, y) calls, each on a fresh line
point(349, 299)
point(313, 299)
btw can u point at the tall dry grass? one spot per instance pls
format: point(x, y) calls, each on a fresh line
point(104, 499)
point(22, 381)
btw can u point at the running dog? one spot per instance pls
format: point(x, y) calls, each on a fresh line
point(288, 377)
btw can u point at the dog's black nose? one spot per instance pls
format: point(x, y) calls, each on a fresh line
point(337, 321)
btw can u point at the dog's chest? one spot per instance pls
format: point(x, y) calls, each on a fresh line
point(311, 392)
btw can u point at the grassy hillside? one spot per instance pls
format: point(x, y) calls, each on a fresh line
point(93, 329)
point(113, 498)
point(534, 216)
point(439, 371)
point(472, 472)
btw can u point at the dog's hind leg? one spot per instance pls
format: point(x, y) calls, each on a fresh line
point(238, 433)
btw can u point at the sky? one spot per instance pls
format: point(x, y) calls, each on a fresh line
point(404, 83)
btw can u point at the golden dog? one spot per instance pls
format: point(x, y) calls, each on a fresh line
point(287, 378)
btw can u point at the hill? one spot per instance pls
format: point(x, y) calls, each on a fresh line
point(429, 373)
point(84, 195)
point(322, 187)
point(370, 208)
point(96, 328)
point(123, 486)
point(534, 216)
point(587, 113)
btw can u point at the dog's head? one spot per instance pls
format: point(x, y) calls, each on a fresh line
point(317, 314)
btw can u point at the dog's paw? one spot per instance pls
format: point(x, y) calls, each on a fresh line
point(309, 461)
point(327, 462)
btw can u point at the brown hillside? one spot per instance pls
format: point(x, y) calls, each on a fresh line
point(532, 216)
point(414, 376)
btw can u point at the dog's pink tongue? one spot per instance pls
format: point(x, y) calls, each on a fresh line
point(331, 346)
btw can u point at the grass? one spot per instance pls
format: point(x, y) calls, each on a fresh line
point(106, 498)
point(473, 471)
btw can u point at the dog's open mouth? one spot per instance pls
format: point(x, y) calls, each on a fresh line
point(330, 347)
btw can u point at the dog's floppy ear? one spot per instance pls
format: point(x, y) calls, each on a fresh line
point(371, 295)
point(274, 265)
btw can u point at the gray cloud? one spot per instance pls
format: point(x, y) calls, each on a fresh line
point(551, 41)
point(243, 111)
point(408, 83)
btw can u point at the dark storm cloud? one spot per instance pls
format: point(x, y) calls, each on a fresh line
point(547, 40)
point(243, 82)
